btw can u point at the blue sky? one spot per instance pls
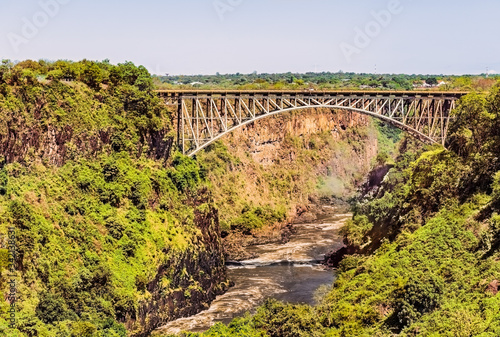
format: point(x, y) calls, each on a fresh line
point(228, 36)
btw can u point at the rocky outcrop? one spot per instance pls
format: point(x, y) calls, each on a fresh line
point(55, 145)
point(374, 180)
point(372, 184)
point(189, 281)
point(493, 287)
point(333, 258)
point(320, 208)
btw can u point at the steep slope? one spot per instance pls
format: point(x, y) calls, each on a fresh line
point(280, 162)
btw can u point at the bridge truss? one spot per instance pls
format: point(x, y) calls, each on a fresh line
point(205, 116)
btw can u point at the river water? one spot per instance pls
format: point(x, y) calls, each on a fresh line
point(290, 272)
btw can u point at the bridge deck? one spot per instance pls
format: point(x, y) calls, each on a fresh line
point(357, 93)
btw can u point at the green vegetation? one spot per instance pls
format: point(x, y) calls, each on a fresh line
point(92, 232)
point(326, 81)
point(91, 235)
point(88, 106)
point(388, 137)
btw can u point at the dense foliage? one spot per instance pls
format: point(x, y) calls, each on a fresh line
point(92, 231)
point(83, 104)
point(91, 235)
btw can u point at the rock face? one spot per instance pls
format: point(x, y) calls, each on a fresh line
point(336, 147)
point(197, 277)
point(343, 153)
point(264, 140)
point(345, 167)
point(493, 287)
point(343, 162)
point(320, 207)
point(374, 180)
point(333, 258)
point(54, 146)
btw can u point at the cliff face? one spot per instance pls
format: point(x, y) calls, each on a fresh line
point(266, 141)
point(52, 122)
point(275, 169)
point(55, 145)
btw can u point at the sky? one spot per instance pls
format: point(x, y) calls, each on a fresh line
point(267, 36)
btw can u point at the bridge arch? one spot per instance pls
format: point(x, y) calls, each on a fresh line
point(417, 134)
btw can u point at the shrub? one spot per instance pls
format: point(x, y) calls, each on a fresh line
point(287, 320)
point(355, 230)
point(420, 295)
point(185, 173)
point(52, 308)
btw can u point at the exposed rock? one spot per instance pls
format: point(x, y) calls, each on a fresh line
point(374, 180)
point(384, 309)
point(235, 243)
point(55, 145)
point(370, 187)
point(333, 258)
point(264, 140)
point(305, 217)
point(493, 287)
point(267, 143)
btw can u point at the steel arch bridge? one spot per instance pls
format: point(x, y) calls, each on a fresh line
point(205, 116)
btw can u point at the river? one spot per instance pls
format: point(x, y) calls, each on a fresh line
point(290, 272)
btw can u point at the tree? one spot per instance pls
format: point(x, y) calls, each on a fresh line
point(92, 75)
point(472, 127)
point(431, 81)
point(52, 308)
